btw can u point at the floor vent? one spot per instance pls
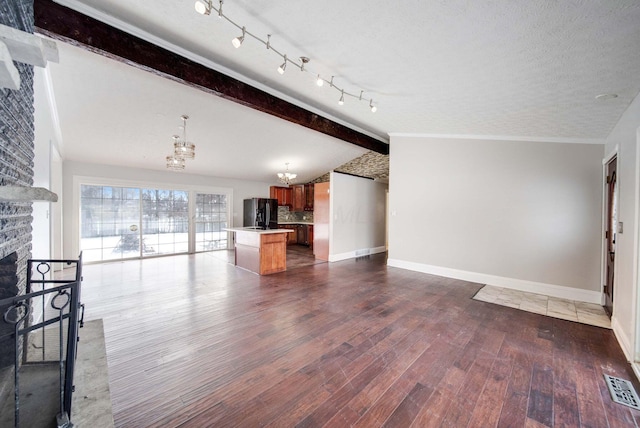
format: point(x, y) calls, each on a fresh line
point(622, 392)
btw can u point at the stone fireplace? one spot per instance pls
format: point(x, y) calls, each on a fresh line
point(8, 288)
point(16, 166)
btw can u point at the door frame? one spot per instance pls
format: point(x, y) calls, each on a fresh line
point(604, 249)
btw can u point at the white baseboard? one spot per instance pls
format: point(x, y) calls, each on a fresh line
point(636, 370)
point(623, 339)
point(552, 290)
point(356, 253)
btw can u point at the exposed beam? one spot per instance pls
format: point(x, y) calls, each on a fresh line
point(65, 24)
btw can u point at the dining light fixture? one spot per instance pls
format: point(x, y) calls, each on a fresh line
point(283, 67)
point(175, 163)
point(182, 149)
point(237, 42)
point(287, 177)
point(205, 7)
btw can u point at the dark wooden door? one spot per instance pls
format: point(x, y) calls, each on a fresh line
point(611, 233)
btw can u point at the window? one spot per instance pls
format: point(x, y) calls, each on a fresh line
point(210, 220)
point(128, 222)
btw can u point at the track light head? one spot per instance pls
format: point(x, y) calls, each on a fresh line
point(341, 100)
point(220, 10)
point(283, 67)
point(304, 60)
point(203, 7)
point(237, 42)
point(372, 107)
point(319, 81)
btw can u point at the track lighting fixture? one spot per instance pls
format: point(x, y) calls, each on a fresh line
point(304, 60)
point(237, 42)
point(205, 7)
point(283, 67)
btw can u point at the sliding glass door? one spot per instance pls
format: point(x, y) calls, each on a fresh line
point(129, 222)
point(165, 221)
point(109, 222)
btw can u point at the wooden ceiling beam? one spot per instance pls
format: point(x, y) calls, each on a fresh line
point(65, 24)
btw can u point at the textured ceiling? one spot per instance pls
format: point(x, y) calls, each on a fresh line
point(515, 68)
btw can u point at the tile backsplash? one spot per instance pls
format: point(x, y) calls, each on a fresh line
point(284, 215)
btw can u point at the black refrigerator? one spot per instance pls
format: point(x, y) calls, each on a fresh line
point(260, 212)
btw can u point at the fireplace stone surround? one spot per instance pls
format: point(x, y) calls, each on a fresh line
point(16, 168)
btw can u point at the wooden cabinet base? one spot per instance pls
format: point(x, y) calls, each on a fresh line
point(263, 254)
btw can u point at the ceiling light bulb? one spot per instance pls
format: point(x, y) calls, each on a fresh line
point(237, 42)
point(341, 101)
point(373, 108)
point(319, 82)
point(283, 67)
point(203, 8)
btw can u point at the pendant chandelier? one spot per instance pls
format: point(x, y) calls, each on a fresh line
point(182, 149)
point(174, 163)
point(287, 177)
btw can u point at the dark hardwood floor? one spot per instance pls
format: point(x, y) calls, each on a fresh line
point(194, 342)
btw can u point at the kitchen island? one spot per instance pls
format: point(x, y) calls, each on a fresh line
point(261, 251)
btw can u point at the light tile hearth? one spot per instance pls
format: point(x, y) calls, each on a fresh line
point(586, 313)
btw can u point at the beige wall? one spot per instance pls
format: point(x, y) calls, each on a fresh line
point(524, 215)
point(625, 138)
point(357, 222)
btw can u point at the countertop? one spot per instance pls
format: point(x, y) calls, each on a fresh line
point(257, 230)
point(310, 223)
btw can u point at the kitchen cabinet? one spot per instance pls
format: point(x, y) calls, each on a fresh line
point(282, 194)
point(308, 196)
point(309, 236)
point(261, 251)
point(292, 238)
point(298, 197)
point(302, 234)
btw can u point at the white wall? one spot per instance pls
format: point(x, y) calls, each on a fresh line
point(625, 137)
point(43, 144)
point(524, 215)
point(357, 222)
point(241, 189)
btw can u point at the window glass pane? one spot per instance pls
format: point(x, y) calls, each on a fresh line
point(109, 215)
point(210, 218)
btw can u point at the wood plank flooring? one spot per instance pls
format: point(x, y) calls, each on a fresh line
point(194, 342)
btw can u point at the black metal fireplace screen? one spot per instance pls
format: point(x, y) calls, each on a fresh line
point(43, 329)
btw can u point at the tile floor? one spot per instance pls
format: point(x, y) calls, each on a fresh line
point(586, 313)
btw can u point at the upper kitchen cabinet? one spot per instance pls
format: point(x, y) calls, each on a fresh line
point(299, 199)
point(283, 195)
point(302, 197)
point(308, 195)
